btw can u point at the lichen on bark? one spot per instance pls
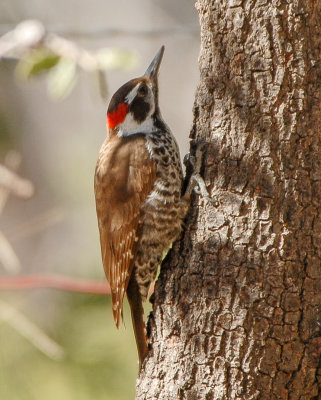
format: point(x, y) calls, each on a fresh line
point(237, 306)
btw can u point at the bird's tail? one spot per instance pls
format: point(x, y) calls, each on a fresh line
point(117, 308)
point(137, 313)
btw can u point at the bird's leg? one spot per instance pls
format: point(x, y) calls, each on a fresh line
point(137, 313)
point(196, 182)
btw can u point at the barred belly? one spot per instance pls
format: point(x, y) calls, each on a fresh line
point(163, 212)
point(161, 227)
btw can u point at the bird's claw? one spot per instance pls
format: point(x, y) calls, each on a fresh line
point(196, 183)
point(187, 159)
point(201, 190)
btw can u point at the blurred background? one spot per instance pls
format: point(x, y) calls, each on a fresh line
point(54, 344)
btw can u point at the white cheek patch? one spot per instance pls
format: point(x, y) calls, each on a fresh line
point(127, 125)
point(132, 94)
point(131, 127)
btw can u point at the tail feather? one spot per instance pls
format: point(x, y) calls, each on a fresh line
point(117, 309)
point(137, 314)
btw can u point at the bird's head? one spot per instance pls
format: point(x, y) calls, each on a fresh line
point(134, 107)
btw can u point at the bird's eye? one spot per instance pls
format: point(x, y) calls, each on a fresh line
point(142, 91)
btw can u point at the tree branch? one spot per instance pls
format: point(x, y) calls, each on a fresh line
point(15, 184)
point(65, 283)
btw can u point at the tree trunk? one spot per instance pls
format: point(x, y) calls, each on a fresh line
point(237, 307)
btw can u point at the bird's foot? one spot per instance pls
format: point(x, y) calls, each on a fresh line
point(198, 185)
point(196, 182)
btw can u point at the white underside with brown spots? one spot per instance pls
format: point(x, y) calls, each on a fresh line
point(163, 211)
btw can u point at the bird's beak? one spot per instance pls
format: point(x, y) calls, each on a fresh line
point(153, 68)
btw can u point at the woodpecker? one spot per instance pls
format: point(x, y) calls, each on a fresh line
point(138, 186)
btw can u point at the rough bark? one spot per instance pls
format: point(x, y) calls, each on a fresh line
point(237, 308)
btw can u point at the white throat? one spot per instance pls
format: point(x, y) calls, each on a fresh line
point(131, 127)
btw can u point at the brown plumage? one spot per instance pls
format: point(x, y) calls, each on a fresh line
point(138, 184)
point(125, 166)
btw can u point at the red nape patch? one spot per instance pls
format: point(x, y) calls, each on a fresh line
point(117, 117)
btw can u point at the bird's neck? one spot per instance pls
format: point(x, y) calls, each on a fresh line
point(131, 127)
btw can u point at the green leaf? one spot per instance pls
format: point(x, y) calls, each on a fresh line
point(61, 79)
point(36, 62)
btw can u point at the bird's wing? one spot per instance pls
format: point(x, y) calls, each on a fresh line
point(124, 177)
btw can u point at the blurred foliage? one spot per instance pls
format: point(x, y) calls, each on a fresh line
point(39, 52)
point(116, 59)
point(61, 79)
point(7, 139)
point(36, 61)
point(100, 362)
